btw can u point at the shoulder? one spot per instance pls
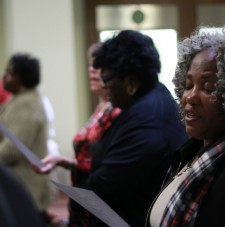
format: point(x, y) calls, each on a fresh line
point(25, 106)
point(211, 211)
point(155, 106)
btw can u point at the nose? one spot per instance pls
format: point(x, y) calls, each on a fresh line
point(90, 68)
point(192, 97)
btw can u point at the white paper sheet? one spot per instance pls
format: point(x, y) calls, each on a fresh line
point(94, 204)
point(21, 147)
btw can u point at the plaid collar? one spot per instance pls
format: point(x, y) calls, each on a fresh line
point(183, 207)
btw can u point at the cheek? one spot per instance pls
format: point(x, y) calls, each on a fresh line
point(10, 79)
point(7, 78)
point(114, 96)
point(7, 81)
point(95, 86)
point(183, 100)
point(216, 111)
point(214, 116)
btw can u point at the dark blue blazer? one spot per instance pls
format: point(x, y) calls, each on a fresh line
point(133, 156)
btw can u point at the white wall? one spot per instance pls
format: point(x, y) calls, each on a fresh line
point(45, 28)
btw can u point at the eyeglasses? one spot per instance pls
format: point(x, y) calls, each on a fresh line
point(105, 79)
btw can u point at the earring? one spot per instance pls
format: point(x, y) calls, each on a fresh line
point(132, 92)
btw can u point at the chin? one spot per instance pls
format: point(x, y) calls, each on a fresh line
point(116, 105)
point(93, 89)
point(195, 135)
point(192, 132)
point(113, 103)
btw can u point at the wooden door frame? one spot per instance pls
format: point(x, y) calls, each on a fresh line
point(186, 9)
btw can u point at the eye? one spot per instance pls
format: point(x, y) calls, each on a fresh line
point(209, 87)
point(188, 85)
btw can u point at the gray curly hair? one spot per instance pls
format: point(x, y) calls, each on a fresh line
point(189, 47)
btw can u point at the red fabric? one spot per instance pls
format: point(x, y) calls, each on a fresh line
point(100, 121)
point(4, 95)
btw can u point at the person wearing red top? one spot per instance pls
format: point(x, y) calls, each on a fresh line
point(99, 121)
point(4, 95)
point(85, 140)
point(88, 135)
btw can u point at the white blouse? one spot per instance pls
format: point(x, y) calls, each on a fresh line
point(161, 202)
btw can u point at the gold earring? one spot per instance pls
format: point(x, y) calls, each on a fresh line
point(132, 92)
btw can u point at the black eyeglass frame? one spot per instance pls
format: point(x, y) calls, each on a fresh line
point(106, 79)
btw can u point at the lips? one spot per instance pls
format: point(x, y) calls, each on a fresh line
point(191, 116)
point(95, 79)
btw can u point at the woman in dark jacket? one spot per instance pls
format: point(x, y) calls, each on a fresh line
point(193, 194)
point(131, 159)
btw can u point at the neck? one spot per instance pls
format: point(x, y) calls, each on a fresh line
point(103, 99)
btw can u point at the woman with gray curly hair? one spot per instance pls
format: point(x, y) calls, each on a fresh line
point(193, 192)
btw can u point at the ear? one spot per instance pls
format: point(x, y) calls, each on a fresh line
point(131, 86)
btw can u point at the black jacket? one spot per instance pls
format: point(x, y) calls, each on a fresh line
point(130, 161)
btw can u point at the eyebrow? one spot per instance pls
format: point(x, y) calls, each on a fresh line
point(204, 76)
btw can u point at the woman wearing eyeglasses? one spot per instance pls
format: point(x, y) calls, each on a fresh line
point(85, 139)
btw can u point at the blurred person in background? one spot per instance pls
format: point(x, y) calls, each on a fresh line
point(17, 208)
point(24, 115)
point(52, 145)
point(4, 95)
point(85, 140)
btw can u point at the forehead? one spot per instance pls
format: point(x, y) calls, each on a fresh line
point(204, 58)
point(204, 61)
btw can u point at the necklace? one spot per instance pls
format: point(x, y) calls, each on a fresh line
point(186, 167)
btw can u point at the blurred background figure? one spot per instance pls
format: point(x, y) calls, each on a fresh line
point(53, 147)
point(100, 120)
point(24, 115)
point(85, 140)
point(17, 208)
point(4, 95)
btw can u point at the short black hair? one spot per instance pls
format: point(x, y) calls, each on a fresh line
point(130, 54)
point(27, 68)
